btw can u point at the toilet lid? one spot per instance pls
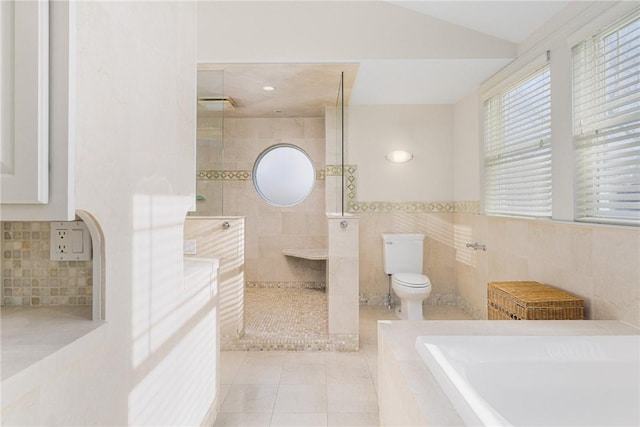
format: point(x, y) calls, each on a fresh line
point(414, 280)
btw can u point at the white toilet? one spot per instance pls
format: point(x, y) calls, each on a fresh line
point(403, 261)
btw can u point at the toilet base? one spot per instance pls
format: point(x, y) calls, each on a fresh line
point(410, 310)
point(398, 311)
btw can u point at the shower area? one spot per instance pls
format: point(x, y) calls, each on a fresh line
point(255, 123)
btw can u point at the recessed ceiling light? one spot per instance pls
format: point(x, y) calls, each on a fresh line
point(268, 88)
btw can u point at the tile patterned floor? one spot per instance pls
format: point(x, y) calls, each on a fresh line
point(276, 312)
point(308, 389)
point(285, 319)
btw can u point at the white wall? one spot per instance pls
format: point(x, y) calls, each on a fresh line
point(467, 152)
point(426, 131)
point(135, 124)
point(135, 174)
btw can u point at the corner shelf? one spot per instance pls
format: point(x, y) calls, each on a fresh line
point(310, 254)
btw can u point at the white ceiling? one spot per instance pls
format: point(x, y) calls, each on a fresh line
point(446, 81)
point(428, 81)
point(393, 81)
point(512, 20)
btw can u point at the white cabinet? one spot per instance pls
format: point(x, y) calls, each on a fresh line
point(24, 125)
point(36, 126)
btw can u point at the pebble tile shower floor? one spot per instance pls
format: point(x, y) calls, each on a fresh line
point(292, 319)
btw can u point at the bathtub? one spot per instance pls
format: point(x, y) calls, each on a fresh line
point(538, 380)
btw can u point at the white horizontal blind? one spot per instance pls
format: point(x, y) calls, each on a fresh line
point(606, 86)
point(517, 148)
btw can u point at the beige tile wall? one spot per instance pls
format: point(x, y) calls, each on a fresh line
point(30, 278)
point(213, 240)
point(343, 271)
point(439, 253)
point(271, 229)
point(599, 264)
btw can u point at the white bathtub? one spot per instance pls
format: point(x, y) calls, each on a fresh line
point(538, 380)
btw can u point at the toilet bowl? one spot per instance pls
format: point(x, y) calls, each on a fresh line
point(412, 289)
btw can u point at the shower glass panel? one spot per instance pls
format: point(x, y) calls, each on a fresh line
point(210, 145)
point(340, 150)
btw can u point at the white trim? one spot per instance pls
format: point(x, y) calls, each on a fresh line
point(601, 21)
point(491, 88)
point(98, 265)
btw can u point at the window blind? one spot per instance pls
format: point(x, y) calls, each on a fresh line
point(517, 148)
point(606, 90)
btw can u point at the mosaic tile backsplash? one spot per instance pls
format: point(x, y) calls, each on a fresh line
point(30, 278)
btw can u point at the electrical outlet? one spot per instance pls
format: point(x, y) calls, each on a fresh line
point(70, 241)
point(61, 241)
point(189, 247)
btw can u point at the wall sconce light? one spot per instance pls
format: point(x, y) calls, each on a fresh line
point(399, 156)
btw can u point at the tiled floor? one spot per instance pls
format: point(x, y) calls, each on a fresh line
point(305, 389)
point(300, 312)
point(284, 319)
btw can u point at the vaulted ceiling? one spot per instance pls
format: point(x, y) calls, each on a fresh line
point(391, 52)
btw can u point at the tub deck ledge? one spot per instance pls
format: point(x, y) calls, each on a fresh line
point(409, 394)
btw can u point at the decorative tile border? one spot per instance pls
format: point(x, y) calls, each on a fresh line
point(331, 342)
point(349, 180)
point(287, 285)
point(403, 207)
point(344, 342)
point(472, 207)
point(224, 175)
point(238, 175)
point(353, 206)
point(378, 299)
point(381, 300)
point(336, 170)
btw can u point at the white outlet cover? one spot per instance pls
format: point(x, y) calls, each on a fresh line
point(189, 247)
point(70, 241)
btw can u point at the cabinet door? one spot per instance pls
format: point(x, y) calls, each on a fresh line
point(24, 90)
point(59, 204)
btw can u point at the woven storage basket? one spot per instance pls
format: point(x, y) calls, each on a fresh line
point(531, 301)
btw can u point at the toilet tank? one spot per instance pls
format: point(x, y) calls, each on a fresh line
point(402, 253)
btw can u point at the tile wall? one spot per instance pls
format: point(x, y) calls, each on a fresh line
point(30, 278)
point(598, 263)
point(271, 229)
point(439, 254)
point(432, 218)
point(214, 240)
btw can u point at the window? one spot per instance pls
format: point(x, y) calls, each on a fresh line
point(283, 175)
point(517, 148)
point(606, 129)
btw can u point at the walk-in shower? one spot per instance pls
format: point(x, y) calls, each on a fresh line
point(285, 244)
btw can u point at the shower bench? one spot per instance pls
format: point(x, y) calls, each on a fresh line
point(311, 254)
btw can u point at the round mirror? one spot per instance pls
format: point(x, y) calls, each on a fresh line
point(284, 175)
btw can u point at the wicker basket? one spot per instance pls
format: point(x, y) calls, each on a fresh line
point(531, 301)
